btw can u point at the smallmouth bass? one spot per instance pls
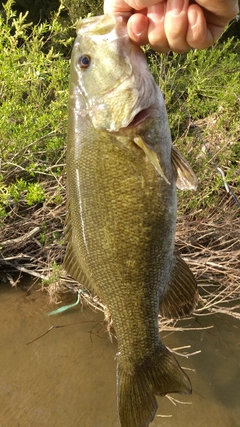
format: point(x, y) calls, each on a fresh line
point(122, 173)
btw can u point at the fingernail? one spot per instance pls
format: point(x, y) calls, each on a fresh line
point(192, 18)
point(137, 29)
point(175, 6)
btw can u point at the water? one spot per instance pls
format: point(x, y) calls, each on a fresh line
point(67, 378)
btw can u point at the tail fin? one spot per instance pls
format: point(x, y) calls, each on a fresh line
point(137, 388)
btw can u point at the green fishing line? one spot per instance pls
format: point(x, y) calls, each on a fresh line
point(65, 307)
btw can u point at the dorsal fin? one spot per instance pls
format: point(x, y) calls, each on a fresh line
point(71, 263)
point(185, 177)
point(181, 295)
point(151, 155)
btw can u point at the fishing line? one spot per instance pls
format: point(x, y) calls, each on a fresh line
point(66, 307)
point(199, 134)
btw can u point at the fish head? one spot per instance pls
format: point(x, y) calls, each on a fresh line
point(111, 83)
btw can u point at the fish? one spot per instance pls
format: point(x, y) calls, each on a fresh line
point(122, 175)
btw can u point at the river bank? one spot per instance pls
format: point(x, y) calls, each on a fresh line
point(211, 248)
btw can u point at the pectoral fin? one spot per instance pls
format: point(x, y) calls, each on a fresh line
point(152, 156)
point(181, 295)
point(185, 177)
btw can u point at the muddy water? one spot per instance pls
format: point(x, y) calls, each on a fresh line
point(67, 378)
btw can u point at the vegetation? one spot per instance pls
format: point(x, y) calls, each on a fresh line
point(201, 89)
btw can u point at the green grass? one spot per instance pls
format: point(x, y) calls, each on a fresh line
point(34, 68)
point(202, 89)
point(34, 92)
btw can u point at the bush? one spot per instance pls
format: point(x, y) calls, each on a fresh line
point(202, 97)
point(34, 92)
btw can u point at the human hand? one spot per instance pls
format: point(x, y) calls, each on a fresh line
point(175, 25)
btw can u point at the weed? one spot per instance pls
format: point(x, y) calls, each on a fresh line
point(34, 91)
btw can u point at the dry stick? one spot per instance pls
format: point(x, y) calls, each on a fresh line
point(16, 257)
point(20, 239)
point(164, 416)
point(26, 270)
point(175, 401)
point(186, 355)
point(58, 327)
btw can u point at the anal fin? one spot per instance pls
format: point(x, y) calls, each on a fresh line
point(72, 267)
point(70, 262)
point(181, 295)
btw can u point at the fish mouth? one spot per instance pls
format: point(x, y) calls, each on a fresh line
point(140, 117)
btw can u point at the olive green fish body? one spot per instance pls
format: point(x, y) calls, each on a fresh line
point(122, 173)
point(121, 214)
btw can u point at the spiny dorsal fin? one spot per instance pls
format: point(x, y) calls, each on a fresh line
point(181, 295)
point(151, 155)
point(185, 177)
point(71, 263)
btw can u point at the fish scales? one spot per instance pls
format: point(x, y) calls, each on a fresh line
point(124, 231)
point(122, 173)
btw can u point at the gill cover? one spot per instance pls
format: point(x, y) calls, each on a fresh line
point(111, 89)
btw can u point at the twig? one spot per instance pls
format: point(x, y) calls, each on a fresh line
point(175, 401)
point(20, 239)
point(26, 270)
point(58, 327)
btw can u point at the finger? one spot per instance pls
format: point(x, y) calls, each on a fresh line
point(112, 6)
point(219, 12)
point(201, 34)
point(115, 6)
point(144, 29)
point(138, 28)
point(156, 31)
point(176, 25)
point(198, 34)
point(142, 4)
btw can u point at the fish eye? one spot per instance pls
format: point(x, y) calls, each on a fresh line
point(84, 61)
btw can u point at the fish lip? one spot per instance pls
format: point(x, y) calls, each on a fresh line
point(139, 118)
